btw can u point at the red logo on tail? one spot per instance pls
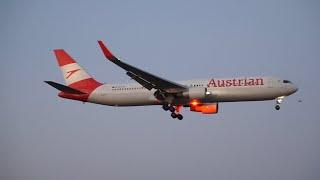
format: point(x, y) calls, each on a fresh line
point(69, 73)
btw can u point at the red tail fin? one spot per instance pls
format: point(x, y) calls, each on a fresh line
point(74, 75)
point(63, 58)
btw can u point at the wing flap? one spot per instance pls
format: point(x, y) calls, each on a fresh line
point(141, 81)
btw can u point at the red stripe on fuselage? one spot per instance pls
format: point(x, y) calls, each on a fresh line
point(87, 86)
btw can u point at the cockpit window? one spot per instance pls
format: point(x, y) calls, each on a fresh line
point(287, 81)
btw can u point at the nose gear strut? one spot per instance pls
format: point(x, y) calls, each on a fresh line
point(279, 100)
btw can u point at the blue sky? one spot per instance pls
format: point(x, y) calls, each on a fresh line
point(45, 137)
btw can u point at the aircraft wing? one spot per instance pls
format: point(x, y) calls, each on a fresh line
point(144, 78)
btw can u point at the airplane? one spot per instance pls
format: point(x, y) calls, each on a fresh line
point(202, 96)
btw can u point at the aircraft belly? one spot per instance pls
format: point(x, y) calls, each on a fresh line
point(132, 99)
point(123, 98)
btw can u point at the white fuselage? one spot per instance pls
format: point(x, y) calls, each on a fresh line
point(220, 90)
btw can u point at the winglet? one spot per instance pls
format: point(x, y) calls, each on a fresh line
point(106, 52)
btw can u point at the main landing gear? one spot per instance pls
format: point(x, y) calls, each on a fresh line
point(278, 102)
point(174, 111)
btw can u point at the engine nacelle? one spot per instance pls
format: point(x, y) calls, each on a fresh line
point(196, 93)
point(205, 108)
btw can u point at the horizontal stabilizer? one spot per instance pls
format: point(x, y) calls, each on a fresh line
point(64, 88)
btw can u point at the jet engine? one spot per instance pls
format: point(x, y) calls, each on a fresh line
point(211, 108)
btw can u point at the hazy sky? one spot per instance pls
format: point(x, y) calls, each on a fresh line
point(44, 137)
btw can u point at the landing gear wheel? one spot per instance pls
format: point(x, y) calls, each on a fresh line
point(277, 107)
point(172, 109)
point(165, 107)
point(179, 116)
point(174, 115)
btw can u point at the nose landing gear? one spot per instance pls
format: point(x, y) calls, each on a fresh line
point(175, 111)
point(279, 100)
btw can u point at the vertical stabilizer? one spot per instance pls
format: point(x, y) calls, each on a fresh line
point(74, 75)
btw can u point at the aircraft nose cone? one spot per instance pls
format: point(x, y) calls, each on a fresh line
point(294, 88)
